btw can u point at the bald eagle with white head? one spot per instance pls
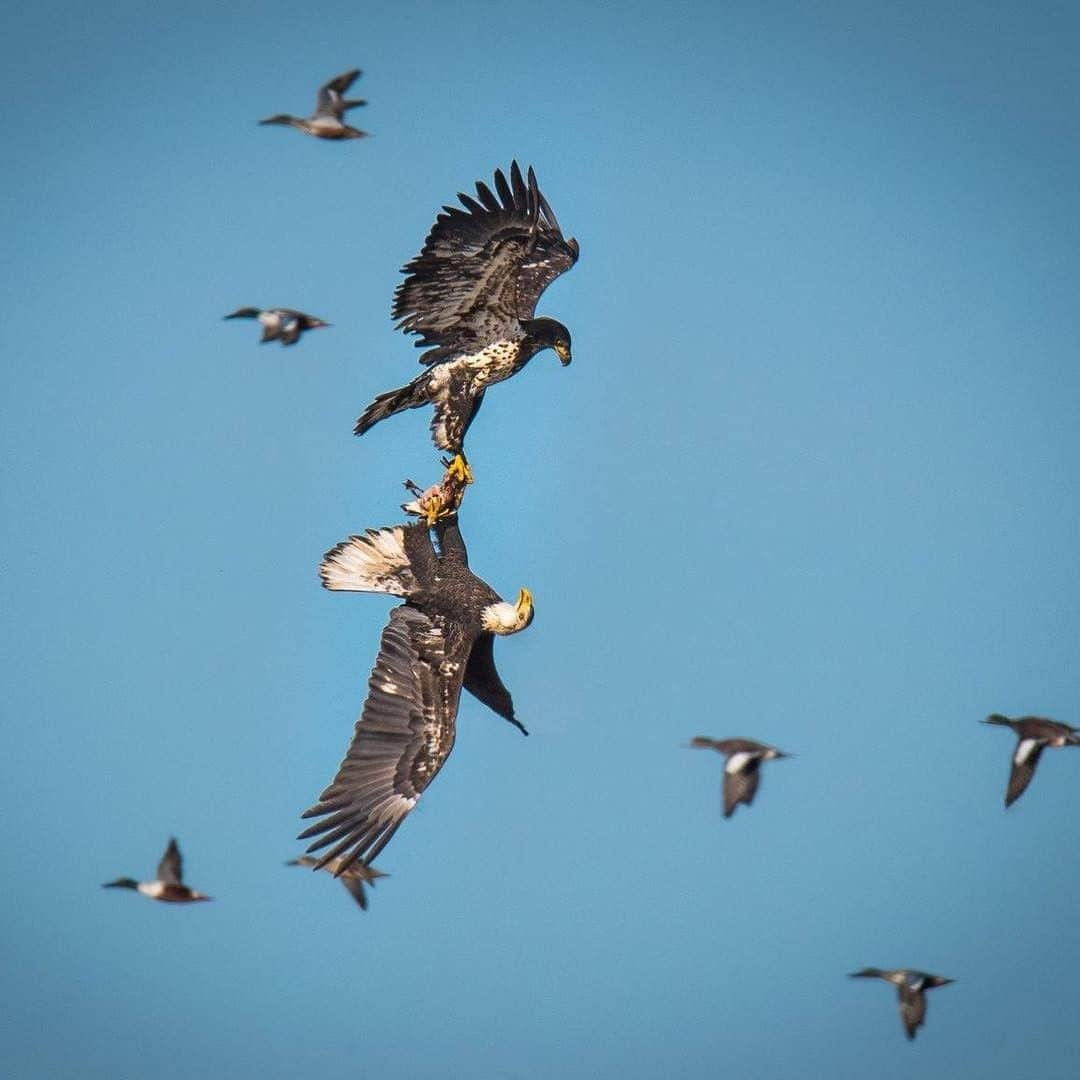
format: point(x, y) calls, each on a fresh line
point(435, 644)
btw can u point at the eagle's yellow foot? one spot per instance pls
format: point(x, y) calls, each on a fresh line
point(432, 508)
point(429, 503)
point(459, 470)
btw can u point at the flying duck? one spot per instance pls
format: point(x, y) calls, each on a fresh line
point(911, 987)
point(168, 885)
point(436, 643)
point(1034, 734)
point(353, 877)
point(471, 297)
point(742, 770)
point(279, 324)
point(328, 122)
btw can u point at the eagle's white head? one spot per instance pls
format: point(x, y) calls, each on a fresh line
point(504, 618)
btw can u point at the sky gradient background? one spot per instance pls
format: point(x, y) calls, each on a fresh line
point(811, 478)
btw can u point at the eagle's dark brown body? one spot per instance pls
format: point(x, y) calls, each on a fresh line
point(438, 642)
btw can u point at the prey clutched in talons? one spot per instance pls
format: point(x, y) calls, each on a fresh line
point(427, 503)
point(440, 500)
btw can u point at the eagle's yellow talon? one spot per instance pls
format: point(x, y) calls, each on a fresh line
point(459, 470)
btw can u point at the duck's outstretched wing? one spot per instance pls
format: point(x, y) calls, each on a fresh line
point(482, 269)
point(1024, 760)
point(403, 736)
point(912, 1010)
point(330, 101)
point(170, 870)
point(740, 784)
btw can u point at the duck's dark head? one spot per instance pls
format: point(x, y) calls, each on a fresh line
point(121, 883)
point(549, 334)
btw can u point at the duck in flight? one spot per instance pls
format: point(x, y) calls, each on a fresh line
point(742, 769)
point(169, 883)
point(1034, 734)
point(911, 987)
point(353, 877)
point(280, 323)
point(328, 120)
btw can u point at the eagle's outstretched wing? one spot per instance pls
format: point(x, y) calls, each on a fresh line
point(403, 736)
point(482, 269)
point(483, 682)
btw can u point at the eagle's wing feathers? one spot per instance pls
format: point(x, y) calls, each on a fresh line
point(483, 682)
point(403, 736)
point(482, 269)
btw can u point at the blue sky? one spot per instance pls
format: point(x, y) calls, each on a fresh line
point(811, 478)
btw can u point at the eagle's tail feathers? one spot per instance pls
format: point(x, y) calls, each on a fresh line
point(374, 562)
point(411, 396)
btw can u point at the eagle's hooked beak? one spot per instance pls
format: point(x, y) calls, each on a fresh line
point(562, 351)
point(524, 603)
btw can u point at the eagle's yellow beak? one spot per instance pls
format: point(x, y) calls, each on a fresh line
point(563, 353)
point(524, 603)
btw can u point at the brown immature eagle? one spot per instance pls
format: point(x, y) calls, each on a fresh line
point(471, 296)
